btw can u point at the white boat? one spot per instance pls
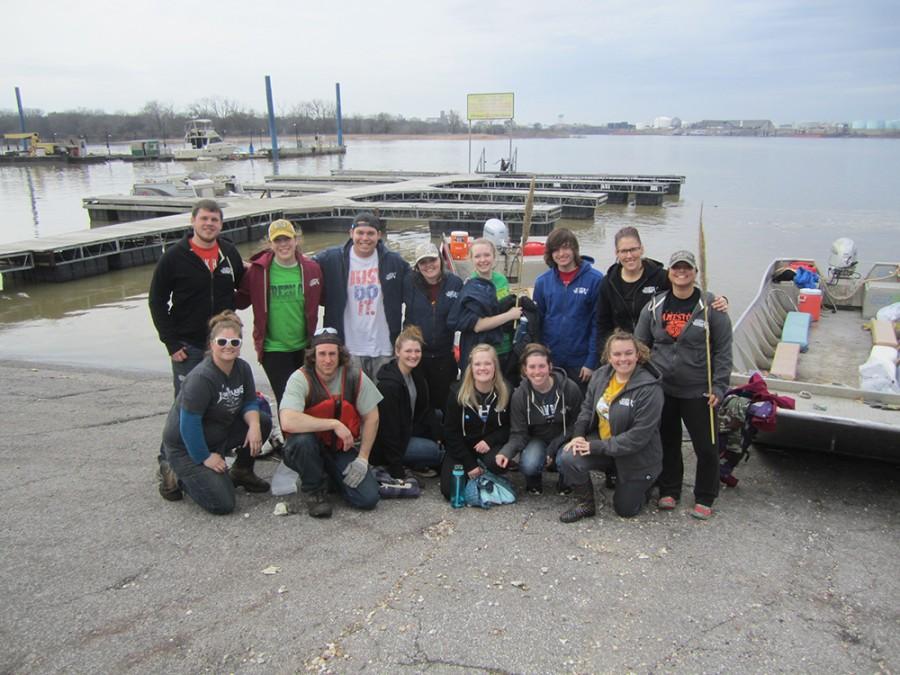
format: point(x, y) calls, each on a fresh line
point(191, 186)
point(203, 142)
point(833, 414)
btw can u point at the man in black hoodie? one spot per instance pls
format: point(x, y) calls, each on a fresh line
point(193, 281)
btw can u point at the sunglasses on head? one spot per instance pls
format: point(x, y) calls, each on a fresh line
point(224, 341)
point(328, 330)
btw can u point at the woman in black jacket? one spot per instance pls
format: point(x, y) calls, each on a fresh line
point(407, 427)
point(476, 419)
point(618, 427)
point(429, 293)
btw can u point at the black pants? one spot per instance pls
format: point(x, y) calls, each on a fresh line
point(630, 495)
point(440, 373)
point(694, 412)
point(279, 367)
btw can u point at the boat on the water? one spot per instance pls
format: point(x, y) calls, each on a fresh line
point(203, 142)
point(192, 185)
point(833, 413)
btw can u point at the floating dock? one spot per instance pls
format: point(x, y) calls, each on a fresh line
point(316, 203)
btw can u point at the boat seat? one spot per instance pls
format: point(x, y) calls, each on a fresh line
point(784, 365)
point(796, 329)
point(883, 333)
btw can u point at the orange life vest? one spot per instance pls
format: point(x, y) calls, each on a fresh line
point(322, 404)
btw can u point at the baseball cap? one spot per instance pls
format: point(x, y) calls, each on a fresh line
point(366, 218)
point(281, 228)
point(683, 257)
point(326, 336)
point(424, 251)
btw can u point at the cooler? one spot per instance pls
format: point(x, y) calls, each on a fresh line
point(459, 244)
point(810, 301)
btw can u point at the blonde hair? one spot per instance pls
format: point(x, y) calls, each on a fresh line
point(467, 395)
point(223, 321)
point(481, 241)
point(643, 351)
point(410, 333)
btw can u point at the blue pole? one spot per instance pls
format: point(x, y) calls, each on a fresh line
point(340, 121)
point(21, 112)
point(272, 131)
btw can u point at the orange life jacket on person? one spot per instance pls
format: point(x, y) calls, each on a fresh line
point(322, 404)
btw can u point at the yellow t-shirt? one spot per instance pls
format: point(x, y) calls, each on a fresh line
point(612, 390)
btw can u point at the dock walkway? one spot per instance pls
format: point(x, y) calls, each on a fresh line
point(146, 225)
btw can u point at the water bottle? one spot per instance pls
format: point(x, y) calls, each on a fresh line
point(458, 500)
point(521, 331)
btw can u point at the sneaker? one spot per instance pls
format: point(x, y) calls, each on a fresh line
point(534, 485)
point(317, 504)
point(562, 488)
point(242, 476)
point(702, 512)
point(425, 472)
point(168, 483)
point(666, 503)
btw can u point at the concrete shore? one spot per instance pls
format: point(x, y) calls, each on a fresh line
point(797, 571)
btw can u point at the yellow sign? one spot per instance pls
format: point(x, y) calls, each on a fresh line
point(491, 106)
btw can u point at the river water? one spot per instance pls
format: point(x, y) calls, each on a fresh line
point(762, 198)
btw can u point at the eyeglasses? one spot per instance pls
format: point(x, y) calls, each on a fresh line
point(328, 330)
point(232, 342)
point(628, 251)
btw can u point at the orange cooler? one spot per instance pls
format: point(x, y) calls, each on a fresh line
point(810, 301)
point(459, 245)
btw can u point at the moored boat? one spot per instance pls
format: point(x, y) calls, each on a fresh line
point(833, 413)
point(203, 142)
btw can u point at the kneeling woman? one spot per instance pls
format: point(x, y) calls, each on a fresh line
point(407, 428)
point(542, 411)
point(476, 419)
point(618, 428)
point(215, 412)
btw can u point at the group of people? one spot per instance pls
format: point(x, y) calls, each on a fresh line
point(611, 367)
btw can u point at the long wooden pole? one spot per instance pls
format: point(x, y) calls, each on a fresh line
point(703, 289)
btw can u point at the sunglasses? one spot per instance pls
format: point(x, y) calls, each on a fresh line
point(328, 330)
point(231, 342)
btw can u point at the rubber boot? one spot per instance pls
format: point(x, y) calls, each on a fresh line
point(584, 507)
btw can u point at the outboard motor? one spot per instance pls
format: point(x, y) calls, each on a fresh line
point(497, 232)
point(842, 261)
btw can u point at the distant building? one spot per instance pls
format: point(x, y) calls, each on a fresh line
point(734, 127)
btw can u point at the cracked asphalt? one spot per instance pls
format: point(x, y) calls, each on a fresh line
point(797, 571)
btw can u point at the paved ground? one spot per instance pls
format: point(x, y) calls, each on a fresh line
point(796, 572)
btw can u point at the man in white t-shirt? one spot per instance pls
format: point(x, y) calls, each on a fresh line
point(363, 295)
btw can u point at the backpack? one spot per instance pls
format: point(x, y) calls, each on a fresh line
point(489, 489)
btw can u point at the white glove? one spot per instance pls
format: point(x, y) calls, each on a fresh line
point(355, 472)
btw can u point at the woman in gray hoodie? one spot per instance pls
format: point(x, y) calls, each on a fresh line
point(541, 412)
point(618, 427)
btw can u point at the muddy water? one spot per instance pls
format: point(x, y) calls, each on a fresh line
point(762, 198)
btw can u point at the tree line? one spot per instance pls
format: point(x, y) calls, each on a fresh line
point(160, 120)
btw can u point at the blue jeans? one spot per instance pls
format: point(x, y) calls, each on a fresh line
point(534, 458)
point(422, 452)
point(180, 369)
point(212, 491)
point(306, 455)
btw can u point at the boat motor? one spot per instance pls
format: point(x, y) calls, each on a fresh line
point(842, 261)
point(496, 231)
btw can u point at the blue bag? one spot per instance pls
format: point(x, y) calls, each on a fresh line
point(489, 489)
point(804, 278)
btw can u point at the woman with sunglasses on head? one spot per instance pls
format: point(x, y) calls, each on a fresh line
point(476, 418)
point(429, 293)
point(630, 283)
point(617, 429)
point(215, 412)
point(408, 429)
point(486, 310)
point(284, 287)
point(688, 344)
point(542, 411)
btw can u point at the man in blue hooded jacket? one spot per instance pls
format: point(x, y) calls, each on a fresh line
point(566, 297)
point(363, 294)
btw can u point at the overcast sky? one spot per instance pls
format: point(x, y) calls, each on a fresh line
point(592, 62)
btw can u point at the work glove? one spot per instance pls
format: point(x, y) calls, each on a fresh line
point(355, 472)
